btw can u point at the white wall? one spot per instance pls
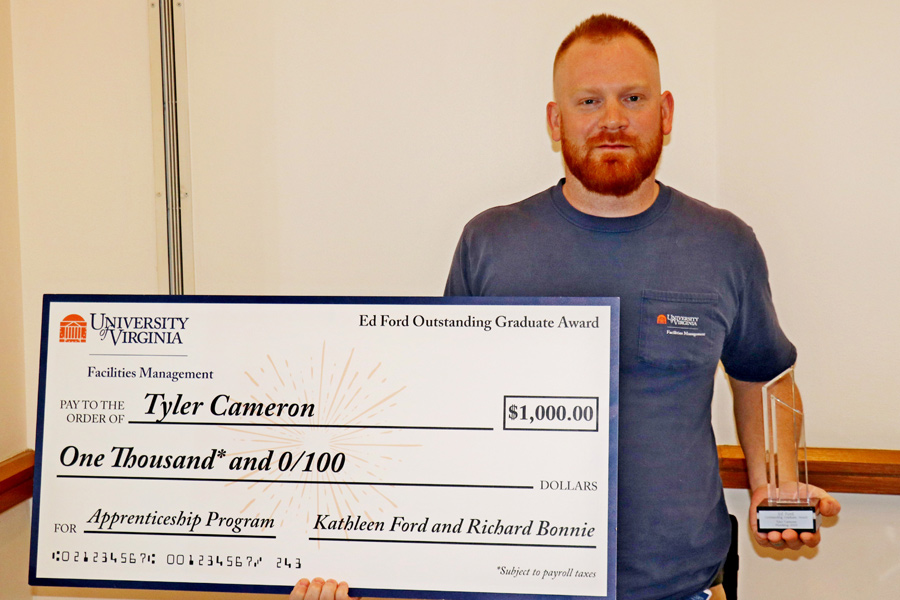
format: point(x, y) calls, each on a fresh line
point(84, 149)
point(12, 359)
point(14, 523)
point(394, 122)
point(338, 148)
point(808, 154)
point(83, 174)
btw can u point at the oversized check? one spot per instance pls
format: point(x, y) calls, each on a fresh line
point(414, 447)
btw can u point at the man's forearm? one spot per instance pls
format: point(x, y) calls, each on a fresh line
point(748, 416)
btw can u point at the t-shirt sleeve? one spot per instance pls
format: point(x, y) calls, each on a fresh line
point(756, 348)
point(457, 281)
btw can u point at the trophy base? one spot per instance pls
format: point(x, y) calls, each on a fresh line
point(774, 515)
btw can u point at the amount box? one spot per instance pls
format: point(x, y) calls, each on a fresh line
point(551, 413)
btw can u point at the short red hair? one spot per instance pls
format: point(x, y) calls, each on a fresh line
point(602, 28)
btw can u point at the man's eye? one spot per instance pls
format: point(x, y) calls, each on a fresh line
point(633, 98)
point(589, 101)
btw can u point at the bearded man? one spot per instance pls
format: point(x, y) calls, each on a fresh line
point(609, 228)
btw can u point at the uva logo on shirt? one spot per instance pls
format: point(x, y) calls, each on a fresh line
point(680, 325)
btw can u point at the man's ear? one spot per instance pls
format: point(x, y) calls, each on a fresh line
point(667, 110)
point(553, 121)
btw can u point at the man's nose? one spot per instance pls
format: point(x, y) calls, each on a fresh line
point(613, 117)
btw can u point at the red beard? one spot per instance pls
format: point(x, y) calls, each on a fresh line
point(614, 174)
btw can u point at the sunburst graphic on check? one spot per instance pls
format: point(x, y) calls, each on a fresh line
point(324, 433)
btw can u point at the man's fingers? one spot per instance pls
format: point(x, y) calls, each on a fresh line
point(781, 540)
point(320, 589)
point(299, 591)
point(315, 589)
point(771, 540)
point(811, 539)
point(328, 590)
point(343, 592)
point(829, 507)
point(791, 539)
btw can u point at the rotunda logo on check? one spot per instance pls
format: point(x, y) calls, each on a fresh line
point(73, 329)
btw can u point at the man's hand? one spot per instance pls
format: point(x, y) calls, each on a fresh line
point(828, 506)
point(319, 589)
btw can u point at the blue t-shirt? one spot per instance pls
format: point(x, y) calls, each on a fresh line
point(694, 290)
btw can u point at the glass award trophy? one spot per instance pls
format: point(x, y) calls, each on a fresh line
point(788, 505)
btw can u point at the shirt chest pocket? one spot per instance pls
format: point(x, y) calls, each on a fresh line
point(680, 329)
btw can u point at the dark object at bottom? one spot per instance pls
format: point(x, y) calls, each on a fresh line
point(732, 563)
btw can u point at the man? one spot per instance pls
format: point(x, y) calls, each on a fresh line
point(610, 229)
